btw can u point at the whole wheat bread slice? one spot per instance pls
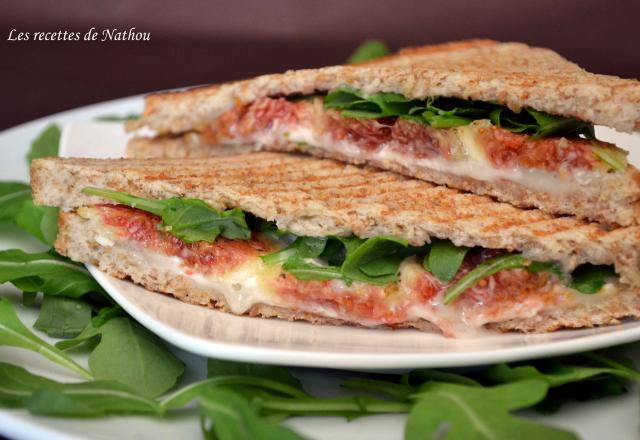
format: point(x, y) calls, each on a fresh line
point(514, 74)
point(317, 197)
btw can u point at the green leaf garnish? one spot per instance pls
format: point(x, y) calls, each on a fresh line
point(220, 367)
point(310, 271)
point(46, 272)
point(39, 221)
point(14, 333)
point(226, 415)
point(444, 259)
point(301, 248)
point(368, 50)
point(614, 158)
point(130, 354)
point(482, 271)
point(62, 317)
point(22, 389)
point(46, 144)
point(446, 112)
point(589, 278)
point(462, 412)
point(555, 373)
point(118, 118)
point(12, 195)
point(88, 337)
point(375, 260)
point(190, 220)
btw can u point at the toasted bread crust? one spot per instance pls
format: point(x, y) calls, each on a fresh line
point(316, 197)
point(77, 240)
point(514, 74)
point(613, 201)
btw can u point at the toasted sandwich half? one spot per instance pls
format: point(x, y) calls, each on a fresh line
point(500, 119)
point(297, 237)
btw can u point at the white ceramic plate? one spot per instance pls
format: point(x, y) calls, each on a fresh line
point(213, 333)
point(277, 342)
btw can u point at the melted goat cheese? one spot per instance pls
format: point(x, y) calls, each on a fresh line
point(472, 163)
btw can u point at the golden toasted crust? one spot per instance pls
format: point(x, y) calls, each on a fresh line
point(613, 200)
point(77, 240)
point(322, 197)
point(514, 74)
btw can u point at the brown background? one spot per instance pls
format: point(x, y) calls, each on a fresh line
point(207, 41)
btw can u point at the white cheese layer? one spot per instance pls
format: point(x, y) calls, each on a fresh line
point(471, 160)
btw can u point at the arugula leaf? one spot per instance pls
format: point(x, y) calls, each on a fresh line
point(547, 266)
point(132, 355)
point(107, 313)
point(255, 385)
point(444, 121)
point(461, 412)
point(592, 389)
point(339, 248)
point(225, 415)
point(554, 373)
point(378, 105)
point(444, 112)
point(39, 221)
point(614, 158)
point(29, 298)
point(583, 377)
point(588, 278)
point(12, 195)
point(62, 317)
point(89, 399)
point(344, 98)
point(46, 144)
point(376, 261)
point(421, 376)
point(623, 365)
point(118, 118)
point(219, 367)
point(444, 259)
point(349, 407)
point(14, 333)
point(482, 271)
point(18, 385)
point(398, 391)
point(46, 272)
point(368, 50)
point(300, 249)
point(190, 220)
point(88, 337)
point(22, 389)
point(310, 271)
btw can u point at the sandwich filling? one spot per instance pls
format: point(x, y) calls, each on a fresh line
point(372, 282)
point(483, 141)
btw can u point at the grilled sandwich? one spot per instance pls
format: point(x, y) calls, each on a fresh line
point(302, 238)
point(500, 119)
